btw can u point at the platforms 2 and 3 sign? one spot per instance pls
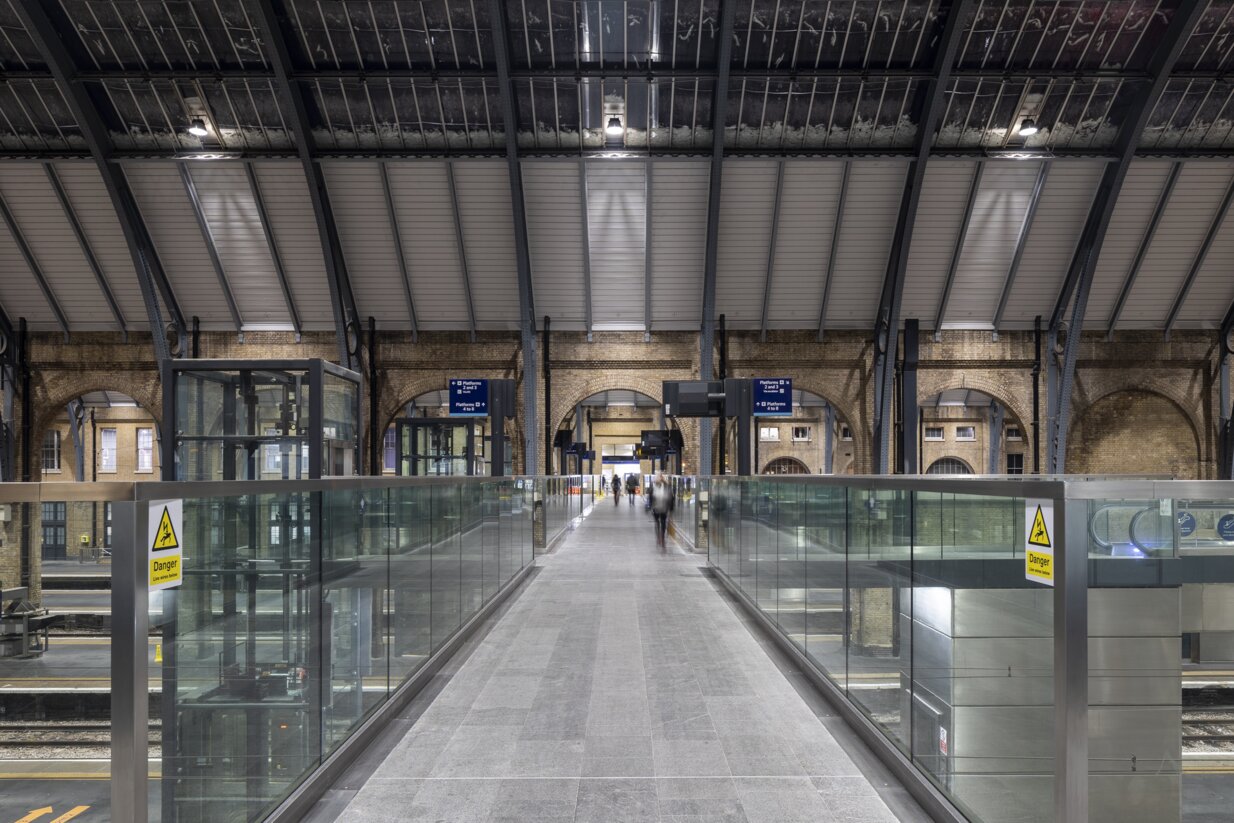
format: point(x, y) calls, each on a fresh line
point(772, 396)
point(166, 546)
point(1039, 540)
point(468, 398)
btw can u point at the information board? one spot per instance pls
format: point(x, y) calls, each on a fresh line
point(1039, 541)
point(166, 555)
point(1186, 523)
point(468, 398)
point(773, 396)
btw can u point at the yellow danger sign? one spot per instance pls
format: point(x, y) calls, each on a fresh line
point(1038, 546)
point(165, 536)
point(1039, 534)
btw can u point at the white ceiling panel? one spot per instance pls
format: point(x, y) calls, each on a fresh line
point(231, 212)
point(177, 237)
point(867, 228)
point(284, 191)
point(1057, 225)
point(998, 213)
point(808, 204)
point(940, 212)
point(552, 192)
point(617, 231)
point(87, 195)
point(19, 291)
point(1212, 293)
point(47, 231)
point(425, 214)
point(363, 220)
point(747, 200)
point(483, 190)
point(1193, 205)
point(1137, 200)
point(678, 242)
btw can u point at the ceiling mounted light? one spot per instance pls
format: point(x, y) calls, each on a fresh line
point(1028, 128)
point(198, 128)
point(614, 127)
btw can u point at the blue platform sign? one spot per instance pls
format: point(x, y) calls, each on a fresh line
point(1225, 527)
point(468, 398)
point(773, 396)
point(1186, 523)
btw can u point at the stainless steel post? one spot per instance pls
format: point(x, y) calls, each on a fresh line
point(1070, 661)
point(130, 700)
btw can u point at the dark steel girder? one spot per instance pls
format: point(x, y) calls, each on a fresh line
point(932, 102)
point(342, 299)
point(1079, 278)
point(1026, 227)
point(941, 315)
point(526, 295)
point(45, 34)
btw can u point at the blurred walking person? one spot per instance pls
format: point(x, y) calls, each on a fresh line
point(631, 487)
point(662, 501)
point(615, 486)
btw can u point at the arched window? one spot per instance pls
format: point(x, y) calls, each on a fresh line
point(949, 465)
point(786, 465)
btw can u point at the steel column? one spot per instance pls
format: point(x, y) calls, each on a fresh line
point(1145, 242)
point(1071, 765)
point(77, 413)
point(1079, 276)
point(275, 256)
point(959, 249)
point(771, 248)
point(1198, 262)
point(829, 441)
point(996, 439)
point(907, 414)
point(207, 234)
point(1020, 243)
point(931, 104)
point(582, 191)
point(398, 249)
point(831, 254)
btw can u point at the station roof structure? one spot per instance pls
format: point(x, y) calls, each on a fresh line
point(398, 110)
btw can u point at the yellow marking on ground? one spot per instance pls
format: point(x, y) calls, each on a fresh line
point(35, 814)
point(70, 814)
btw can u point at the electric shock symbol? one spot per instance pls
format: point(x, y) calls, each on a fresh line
point(1039, 535)
point(166, 536)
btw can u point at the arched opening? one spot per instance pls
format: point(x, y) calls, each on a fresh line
point(1133, 432)
point(786, 465)
point(974, 427)
point(608, 426)
point(949, 465)
point(424, 440)
point(815, 435)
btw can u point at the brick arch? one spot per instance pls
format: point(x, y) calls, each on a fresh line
point(844, 408)
point(1141, 450)
point(934, 382)
point(1119, 382)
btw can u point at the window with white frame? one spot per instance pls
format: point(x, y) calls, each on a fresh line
point(934, 433)
point(801, 434)
point(965, 432)
point(845, 432)
point(1014, 433)
point(769, 434)
point(51, 450)
point(107, 450)
point(145, 450)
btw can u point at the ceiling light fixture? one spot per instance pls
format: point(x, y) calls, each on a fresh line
point(198, 128)
point(614, 127)
point(1028, 128)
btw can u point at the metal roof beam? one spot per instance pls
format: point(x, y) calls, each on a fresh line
point(582, 190)
point(45, 34)
point(462, 250)
point(1079, 276)
point(32, 263)
point(84, 243)
point(346, 314)
point(959, 249)
point(1198, 262)
point(277, 258)
point(1140, 253)
point(831, 254)
point(771, 249)
point(1020, 243)
point(398, 249)
point(207, 234)
point(932, 102)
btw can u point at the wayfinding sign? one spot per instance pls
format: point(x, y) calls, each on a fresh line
point(1225, 527)
point(1186, 523)
point(166, 544)
point(468, 398)
point(773, 396)
point(1039, 540)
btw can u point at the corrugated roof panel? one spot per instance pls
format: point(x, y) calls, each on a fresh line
point(747, 200)
point(944, 196)
point(227, 201)
point(421, 194)
point(1057, 225)
point(285, 193)
point(1212, 293)
point(867, 229)
point(19, 292)
point(1128, 224)
point(359, 205)
point(46, 229)
point(169, 218)
point(808, 205)
point(678, 242)
point(483, 189)
point(552, 191)
point(1193, 205)
point(617, 228)
point(88, 196)
point(998, 213)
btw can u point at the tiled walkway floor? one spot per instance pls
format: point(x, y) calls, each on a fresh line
point(620, 686)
